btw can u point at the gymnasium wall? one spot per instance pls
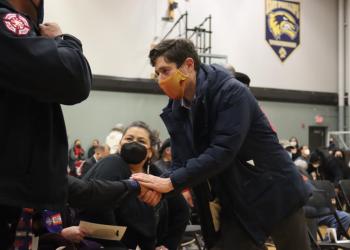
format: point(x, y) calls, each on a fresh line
point(117, 35)
point(96, 116)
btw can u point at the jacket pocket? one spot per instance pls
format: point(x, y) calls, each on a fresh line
point(256, 187)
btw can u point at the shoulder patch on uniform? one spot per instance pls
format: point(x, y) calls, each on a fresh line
point(17, 24)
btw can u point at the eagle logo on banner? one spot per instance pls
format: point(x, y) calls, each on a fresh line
point(282, 26)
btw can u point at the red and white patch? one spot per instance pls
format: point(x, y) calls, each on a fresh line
point(17, 24)
point(56, 219)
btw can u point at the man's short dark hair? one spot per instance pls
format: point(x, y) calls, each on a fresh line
point(175, 51)
point(100, 148)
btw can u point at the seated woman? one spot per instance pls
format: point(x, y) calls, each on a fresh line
point(147, 227)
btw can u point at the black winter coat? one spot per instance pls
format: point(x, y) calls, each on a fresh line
point(37, 74)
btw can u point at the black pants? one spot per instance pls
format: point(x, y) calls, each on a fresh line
point(289, 234)
point(9, 217)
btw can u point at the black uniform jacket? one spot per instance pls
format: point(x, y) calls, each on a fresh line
point(37, 74)
point(98, 193)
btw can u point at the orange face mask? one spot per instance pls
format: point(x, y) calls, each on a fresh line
point(174, 85)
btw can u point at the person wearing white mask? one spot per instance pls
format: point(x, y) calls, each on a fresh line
point(114, 137)
point(303, 160)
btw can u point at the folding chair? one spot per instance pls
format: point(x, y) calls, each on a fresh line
point(330, 189)
point(345, 191)
point(319, 205)
point(192, 236)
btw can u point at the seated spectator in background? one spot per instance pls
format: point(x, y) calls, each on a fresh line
point(91, 150)
point(332, 146)
point(303, 160)
point(165, 158)
point(75, 157)
point(317, 165)
point(113, 138)
point(327, 220)
point(147, 227)
point(336, 168)
point(101, 151)
point(295, 150)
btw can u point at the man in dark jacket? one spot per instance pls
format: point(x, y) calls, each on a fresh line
point(101, 151)
point(216, 126)
point(40, 68)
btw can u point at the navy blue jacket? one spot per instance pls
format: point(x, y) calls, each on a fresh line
point(227, 128)
point(37, 74)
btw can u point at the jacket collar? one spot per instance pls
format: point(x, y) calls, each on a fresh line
point(7, 5)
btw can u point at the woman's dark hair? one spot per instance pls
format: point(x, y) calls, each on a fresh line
point(294, 138)
point(153, 136)
point(140, 124)
point(176, 51)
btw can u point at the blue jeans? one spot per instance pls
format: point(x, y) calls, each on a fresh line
point(330, 221)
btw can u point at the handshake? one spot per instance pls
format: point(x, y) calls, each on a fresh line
point(152, 187)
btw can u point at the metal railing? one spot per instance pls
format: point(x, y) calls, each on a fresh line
point(201, 36)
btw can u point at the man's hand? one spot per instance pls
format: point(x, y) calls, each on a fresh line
point(50, 30)
point(150, 197)
point(73, 234)
point(161, 185)
point(143, 189)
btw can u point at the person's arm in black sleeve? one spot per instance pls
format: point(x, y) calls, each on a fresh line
point(97, 193)
point(46, 69)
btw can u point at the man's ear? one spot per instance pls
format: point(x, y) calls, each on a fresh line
point(189, 62)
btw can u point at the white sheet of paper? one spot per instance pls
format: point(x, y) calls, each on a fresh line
point(101, 231)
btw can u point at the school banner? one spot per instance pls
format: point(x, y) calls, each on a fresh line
point(282, 26)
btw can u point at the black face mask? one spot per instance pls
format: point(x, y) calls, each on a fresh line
point(133, 152)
